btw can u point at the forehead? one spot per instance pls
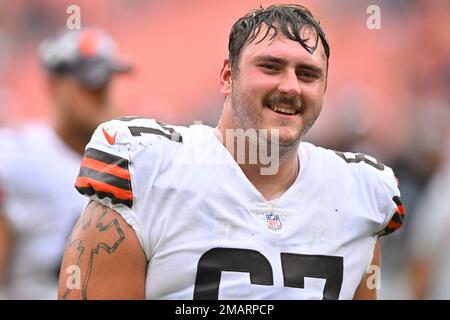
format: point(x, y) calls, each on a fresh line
point(285, 48)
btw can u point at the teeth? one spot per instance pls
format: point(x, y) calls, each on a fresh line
point(283, 109)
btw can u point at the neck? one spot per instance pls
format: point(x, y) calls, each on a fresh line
point(73, 140)
point(284, 167)
point(273, 186)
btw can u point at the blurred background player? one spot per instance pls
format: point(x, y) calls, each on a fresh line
point(38, 204)
point(429, 243)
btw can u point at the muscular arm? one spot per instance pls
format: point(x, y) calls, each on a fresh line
point(367, 289)
point(5, 247)
point(107, 254)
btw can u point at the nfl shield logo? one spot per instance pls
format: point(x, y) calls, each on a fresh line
point(273, 221)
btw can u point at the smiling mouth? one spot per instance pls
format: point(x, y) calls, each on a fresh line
point(283, 109)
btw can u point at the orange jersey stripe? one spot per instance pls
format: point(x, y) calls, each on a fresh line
point(401, 210)
point(394, 225)
point(106, 168)
point(85, 182)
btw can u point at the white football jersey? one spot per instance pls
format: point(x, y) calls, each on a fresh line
point(37, 172)
point(208, 233)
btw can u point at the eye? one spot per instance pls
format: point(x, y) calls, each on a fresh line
point(307, 75)
point(269, 67)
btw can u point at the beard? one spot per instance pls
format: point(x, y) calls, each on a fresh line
point(246, 113)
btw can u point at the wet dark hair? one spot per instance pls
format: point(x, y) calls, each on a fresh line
point(289, 18)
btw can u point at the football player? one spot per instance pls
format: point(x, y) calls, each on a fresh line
point(429, 257)
point(180, 213)
point(38, 163)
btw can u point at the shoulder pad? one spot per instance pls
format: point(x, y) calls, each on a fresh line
point(384, 185)
point(105, 168)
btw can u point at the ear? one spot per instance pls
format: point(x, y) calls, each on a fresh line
point(225, 78)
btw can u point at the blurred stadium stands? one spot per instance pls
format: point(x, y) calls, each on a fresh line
point(388, 89)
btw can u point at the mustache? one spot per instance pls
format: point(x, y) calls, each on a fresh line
point(294, 102)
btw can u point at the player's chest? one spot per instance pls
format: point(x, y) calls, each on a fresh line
point(214, 244)
point(216, 210)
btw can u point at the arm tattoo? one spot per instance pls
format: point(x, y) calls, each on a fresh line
point(99, 213)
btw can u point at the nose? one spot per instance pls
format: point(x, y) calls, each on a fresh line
point(289, 83)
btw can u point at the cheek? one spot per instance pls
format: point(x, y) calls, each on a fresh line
point(313, 96)
point(251, 92)
point(246, 102)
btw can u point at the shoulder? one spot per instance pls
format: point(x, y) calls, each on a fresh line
point(352, 165)
point(12, 140)
point(370, 180)
point(122, 136)
point(21, 148)
point(123, 155)
point(25, 138)
point(129, 139)
point(123, 160)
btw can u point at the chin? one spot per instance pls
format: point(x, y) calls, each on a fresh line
point(287, 142)
point(289, 137)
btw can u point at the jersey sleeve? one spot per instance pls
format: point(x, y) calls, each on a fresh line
point(378, 190)
point(120, 164)
point(388, 200)
point(105, 169)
